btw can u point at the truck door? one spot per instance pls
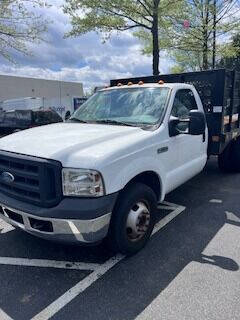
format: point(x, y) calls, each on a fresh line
point(191, 150)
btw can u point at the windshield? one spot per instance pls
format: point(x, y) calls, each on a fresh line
point(133, 106)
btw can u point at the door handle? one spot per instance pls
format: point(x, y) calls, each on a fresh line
point(162, 150)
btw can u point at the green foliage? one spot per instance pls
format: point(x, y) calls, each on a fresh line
point(107, 15)
point(19, 25)
point(231, 54)
point(192, 48)
point(148, 18)
point(211, 21)
point(195, 47)
point(186, 61)
point(177, 69)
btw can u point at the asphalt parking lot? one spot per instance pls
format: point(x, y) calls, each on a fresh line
point(189, 270)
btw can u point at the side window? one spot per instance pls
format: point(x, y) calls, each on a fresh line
point(183, 103)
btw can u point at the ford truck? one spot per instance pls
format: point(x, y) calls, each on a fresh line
point(101, 174)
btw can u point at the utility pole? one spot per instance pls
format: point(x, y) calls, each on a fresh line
point(214, 33)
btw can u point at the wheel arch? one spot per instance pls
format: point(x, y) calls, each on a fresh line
point(151, 179)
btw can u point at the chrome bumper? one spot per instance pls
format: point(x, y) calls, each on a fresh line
point(71, 231)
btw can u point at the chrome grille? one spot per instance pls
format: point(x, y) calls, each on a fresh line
point(36, 180)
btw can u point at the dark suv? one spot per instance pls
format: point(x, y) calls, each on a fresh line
point(11, 121)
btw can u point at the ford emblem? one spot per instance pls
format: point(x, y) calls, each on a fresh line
point(7, 177)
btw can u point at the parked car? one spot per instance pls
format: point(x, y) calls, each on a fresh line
point(102, 173)
point(16, 120)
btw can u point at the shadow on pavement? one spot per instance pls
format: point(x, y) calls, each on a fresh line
point(218, 261)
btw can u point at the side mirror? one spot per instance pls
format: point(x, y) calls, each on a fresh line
point(67, 115)
point(195, 124)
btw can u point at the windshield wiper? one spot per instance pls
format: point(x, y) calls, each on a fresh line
point(110, 121)
point(77, 120)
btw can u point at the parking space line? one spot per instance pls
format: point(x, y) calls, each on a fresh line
point(5, 227)
point(81, 286)
point(215, 201)
point(163, 222)
point(4, 316)
point(48, 264)
point(232, 218)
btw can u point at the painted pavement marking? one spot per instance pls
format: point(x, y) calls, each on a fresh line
point(4, 316)
point(81, 286)
point(48, 264)
point(5, 227)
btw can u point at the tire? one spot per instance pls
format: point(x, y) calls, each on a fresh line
point(225, 159)
point(133, 219)
point(236, 155)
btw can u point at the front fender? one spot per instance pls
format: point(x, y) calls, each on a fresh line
point(118, 174)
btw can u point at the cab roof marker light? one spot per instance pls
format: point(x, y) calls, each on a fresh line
point(119, 84)
point(161, 82)
point(140, 83)
point(130, 83)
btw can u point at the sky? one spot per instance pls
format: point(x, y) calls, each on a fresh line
point(85, 59)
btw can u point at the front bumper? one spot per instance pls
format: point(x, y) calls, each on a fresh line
point(72, 221)
point(63, 230)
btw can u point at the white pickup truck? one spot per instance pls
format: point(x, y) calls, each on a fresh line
point(102, 173)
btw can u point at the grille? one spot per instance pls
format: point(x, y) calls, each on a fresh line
point(36, 181)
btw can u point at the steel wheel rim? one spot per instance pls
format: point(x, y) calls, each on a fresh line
point(138, 221)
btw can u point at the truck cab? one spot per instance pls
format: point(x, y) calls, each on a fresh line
point(101, 174)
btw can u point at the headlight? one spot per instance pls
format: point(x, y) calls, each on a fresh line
point(80, 182)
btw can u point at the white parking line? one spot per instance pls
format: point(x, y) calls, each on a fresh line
point(163, 222)
point(5, 227)
point(232, 217)
point(4, 316)
point(215, 201)
point(81, 286)
point(48, 264)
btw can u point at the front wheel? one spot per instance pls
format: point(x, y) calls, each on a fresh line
point(133, 219)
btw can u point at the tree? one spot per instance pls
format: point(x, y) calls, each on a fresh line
point(231, 54)
point(121, 15)
point(186, 61)
point(19, 25)
point(210, 21)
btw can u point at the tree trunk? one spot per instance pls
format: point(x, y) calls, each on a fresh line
point(205, 55)
point(214, 35)
point(205, 35)
point(155, 39)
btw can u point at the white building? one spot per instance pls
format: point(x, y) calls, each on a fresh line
point(60, 95)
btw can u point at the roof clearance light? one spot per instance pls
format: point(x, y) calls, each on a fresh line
point(140, 83)
point(130, 83)
point(161, 82)
point(119, 84)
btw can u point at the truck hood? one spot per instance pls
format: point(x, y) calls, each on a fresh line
point(73, 144)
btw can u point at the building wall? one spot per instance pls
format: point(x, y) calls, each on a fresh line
point(59, 94)
point(18, 87)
